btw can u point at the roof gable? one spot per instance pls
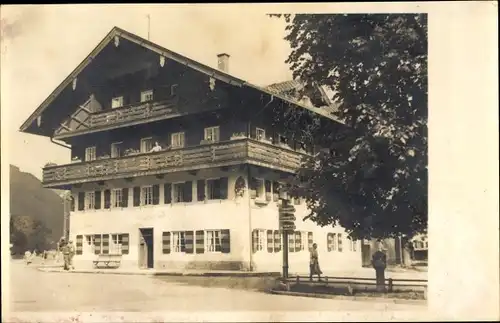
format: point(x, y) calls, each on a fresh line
point(117, 33)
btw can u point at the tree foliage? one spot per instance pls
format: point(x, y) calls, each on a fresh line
point(372, 176)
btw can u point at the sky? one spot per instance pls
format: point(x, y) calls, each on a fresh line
point(41, 45)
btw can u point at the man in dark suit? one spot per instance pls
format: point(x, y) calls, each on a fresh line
point(379, 263)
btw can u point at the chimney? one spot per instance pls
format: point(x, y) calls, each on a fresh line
point(223, 62)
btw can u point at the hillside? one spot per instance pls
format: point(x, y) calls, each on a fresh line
point(35, 211)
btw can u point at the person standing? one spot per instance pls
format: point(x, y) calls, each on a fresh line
point(65, 249)
point(71, 253)
point(314, 263)
point(379, 263)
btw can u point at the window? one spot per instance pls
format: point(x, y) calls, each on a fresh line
point(212, 134)
point(299, 245)
point(339, 242)
point(147, 195)
point(353, 245)
point(117, 197)
point(178, 192)
point(212, 241)
point(177, 140)
point(90, 154)
point(217, 189)
point(147, 96)
point(117, 102)
point(331, 241)
point(258, 240)
point(179, 241)
point(90, 240)
point(116, 150)
point(291, 242)
point(173, 89)
point(89, 200)
point(259, 187)
point(260, 134)
point(146, 145)
point(116, 244)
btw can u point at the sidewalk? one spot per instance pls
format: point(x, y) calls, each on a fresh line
point(362, 272)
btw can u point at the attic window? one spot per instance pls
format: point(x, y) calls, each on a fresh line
point(117, 102)
point(147, 96)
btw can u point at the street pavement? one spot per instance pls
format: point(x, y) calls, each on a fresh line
point(32, 290)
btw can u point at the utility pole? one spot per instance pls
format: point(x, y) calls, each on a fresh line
point(287, 224)
point(66, 196)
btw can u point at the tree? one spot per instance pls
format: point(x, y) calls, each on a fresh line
point(372, 176)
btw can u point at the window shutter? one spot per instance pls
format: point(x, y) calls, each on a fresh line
point(267, 185)
point(166, 242)
point(97, 200)
point(253, 188)
point(167, 193)
point(291, 241)
point(188, 191)
point(270, 243)
point(72, 203)
point(81, 201)
point(105, 244)
point(255, 240)
point(200, 243)
point(310, 240)
point(225, 241)
point(201, 190)
point(339, 242)
point(189, 242)
point(137, 196)
point(125, 243)
point(156, 194)
point(79, 244)
point(124, 197)
point(223, 188)
point(107, 199)
point(329, 242)
point(277, 241)
point(276, 186)
point(97, 244)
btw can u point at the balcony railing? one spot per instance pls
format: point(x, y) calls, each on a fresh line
point(133, 112)
point(191, 158)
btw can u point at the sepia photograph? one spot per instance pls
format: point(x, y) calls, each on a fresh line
point(216, 158)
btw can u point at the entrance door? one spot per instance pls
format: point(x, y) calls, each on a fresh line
point(146, 251)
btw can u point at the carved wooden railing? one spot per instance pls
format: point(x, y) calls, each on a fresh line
point(133, 113)
point(191, 158)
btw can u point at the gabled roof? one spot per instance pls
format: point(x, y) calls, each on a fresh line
point(212, 72)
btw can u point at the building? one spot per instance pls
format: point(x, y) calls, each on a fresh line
point(176, 165)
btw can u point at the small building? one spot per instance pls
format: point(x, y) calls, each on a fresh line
point(177, 165)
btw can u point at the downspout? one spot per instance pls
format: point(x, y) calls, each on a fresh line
point(248, 184)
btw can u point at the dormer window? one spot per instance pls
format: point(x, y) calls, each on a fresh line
point(117, 102)
point(147, 96)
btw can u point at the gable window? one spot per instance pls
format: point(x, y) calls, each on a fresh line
point(117, 197)
point(146, 144)
point(147, 195)
point(260, 134)
point(117, 102)
point(89, 200)
point(177, 140)
point(90, 153)
point(212, 241)
point(179, 241)
point(212, 134)
point(116, 150)
point(147, 96)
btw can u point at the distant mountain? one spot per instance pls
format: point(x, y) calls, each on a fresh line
point(36, 212)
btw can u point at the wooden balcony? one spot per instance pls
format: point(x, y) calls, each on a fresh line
point(233, 152)
point(124, 116)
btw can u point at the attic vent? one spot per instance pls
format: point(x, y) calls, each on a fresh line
point(39, 121)
point(117, 41)
point(162, 61)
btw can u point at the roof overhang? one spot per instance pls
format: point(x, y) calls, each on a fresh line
point(163, 52)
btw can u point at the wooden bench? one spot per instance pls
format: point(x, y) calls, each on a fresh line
point(108, 260)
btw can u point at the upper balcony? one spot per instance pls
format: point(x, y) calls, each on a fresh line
point(84, 120)
point(227, 153)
